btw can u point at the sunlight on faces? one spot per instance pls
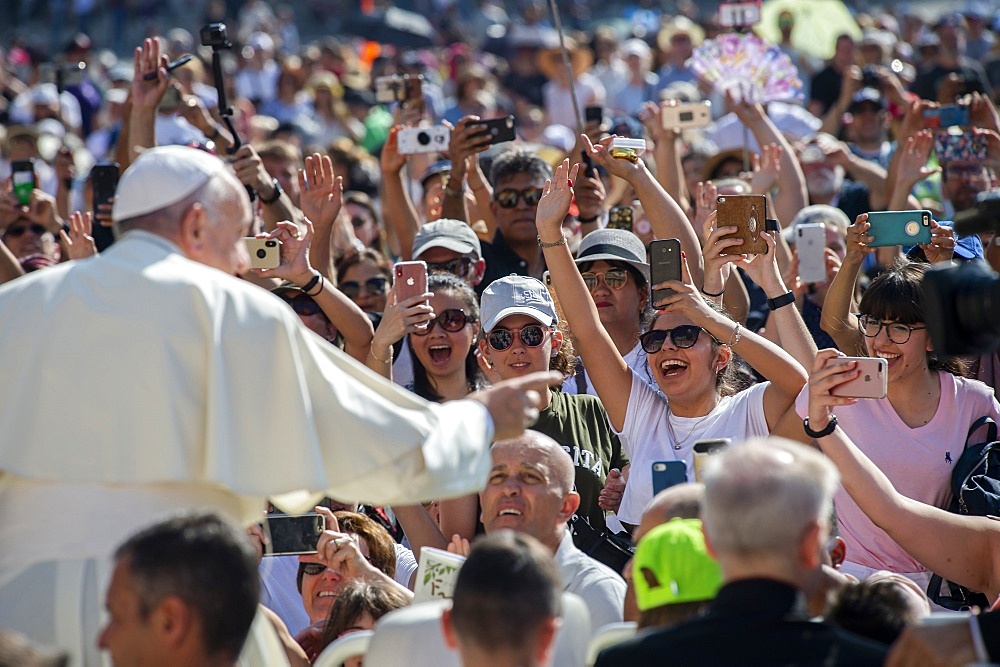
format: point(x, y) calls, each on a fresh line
point(616, 305)
point(442, 353)
point(228, 217)
point(320, 591)
point(906, 359)
point(127, 636)
point(518, 223)
point(361, 272)
point(364, 223)
point(520, 359)
point(689, 373)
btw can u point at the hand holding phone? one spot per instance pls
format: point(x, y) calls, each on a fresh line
point(902, 228)
point(499, 130)
point(23, 180)
point(664, 265)
point(871, 382)
point(293, 533)
point(264, 253)
point(748, 213)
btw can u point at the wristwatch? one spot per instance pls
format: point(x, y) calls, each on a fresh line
point(781, 301)
point(830, 427)
point(277, 193)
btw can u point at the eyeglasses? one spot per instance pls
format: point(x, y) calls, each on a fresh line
point(35, 228)
point(451, 320)
point(352, 288)
point(614, 278)
point(508, 198)
point(532, 336)
point(459, 267)
point(898, 332)
point(313, 568)
point(682, 337)
point(358, 221)
point(303, 306)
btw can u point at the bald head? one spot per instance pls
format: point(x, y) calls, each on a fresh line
point(682, 501)
point(560, 465)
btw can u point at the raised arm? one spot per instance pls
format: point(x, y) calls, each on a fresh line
point(666, 157)
point(976, 565)
point(250, 170)
point(398, 211)
point(146, 96)
point(322, 198)
point(608, 371)
point(838, 317)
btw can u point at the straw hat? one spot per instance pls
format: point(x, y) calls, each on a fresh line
point(326, 80)
point(679, 24)
point(550, 61)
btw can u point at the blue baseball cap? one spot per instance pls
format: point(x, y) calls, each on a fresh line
point(966, 247)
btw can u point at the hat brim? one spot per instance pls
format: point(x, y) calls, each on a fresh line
point(534, 313)
point(456, 245)
point(550, 62)
point(599, 255)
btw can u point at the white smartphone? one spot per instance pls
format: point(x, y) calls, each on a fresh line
point(264, 253)
point(810, 244)
point(687, 115)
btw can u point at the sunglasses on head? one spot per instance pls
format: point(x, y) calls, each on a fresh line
point(303, 306)
point(459, 266)
point(682, 337)
point(352, 288)
point(508, 197)
point(451, 320)
point(614, 278)
point(532, 336)
point(35, 228)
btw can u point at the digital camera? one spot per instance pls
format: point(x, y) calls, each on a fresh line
point(423, 139)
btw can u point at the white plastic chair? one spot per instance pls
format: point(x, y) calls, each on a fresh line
point(342, 648)
point(606, 635)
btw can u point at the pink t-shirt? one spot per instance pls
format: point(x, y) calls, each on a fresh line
point(918, 461)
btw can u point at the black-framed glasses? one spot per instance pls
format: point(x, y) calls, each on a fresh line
point(313, 568)
point(352, 288)
point(459, 266)
point(897, 332)
point(682, 337)
point(507, 198)
point(452, 319)
point(613, 278)
point(303, 306)
point(531, 335)
point(19, 230)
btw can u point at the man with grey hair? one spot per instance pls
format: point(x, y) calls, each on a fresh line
point(765, 517)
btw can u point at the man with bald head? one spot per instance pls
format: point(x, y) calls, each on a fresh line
point(150, 380)
point(530, 490)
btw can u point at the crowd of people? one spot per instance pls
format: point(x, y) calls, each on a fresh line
point(327, 282)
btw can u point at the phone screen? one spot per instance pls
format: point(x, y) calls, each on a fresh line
point(293, 533)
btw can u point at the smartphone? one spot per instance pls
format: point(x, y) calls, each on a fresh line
point(871, 383)
point(810, 244)
point(399, 88)
point(621, 217)
point(409, 279)
point(413, 140)
point(946, 116)
point(739, 14)
point(964, 147)
point(499, 129)
point(664, 265)
point(593, 115)
point(748, 213)
point(103, 182)
point(687, 115)
point(705, 448)
point(293, 533)
point(22, 174)
point(905, 228)
point(667, 474)
point(264, 253)
point(547, 281)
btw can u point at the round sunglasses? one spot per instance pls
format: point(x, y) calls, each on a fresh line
point(451, 320)
point(613, 278)
point(682, 337)
point(508, 197)
point(459, 266)
point(303, 306)
point(352, 288)
point(532, 335)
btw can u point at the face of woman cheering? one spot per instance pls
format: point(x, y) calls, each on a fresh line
point(683, 371)
point(441, 352)
point(320, 591)
point(519, 357)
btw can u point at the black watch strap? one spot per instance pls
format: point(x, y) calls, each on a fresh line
point(780, 301)
point(277, 193)
point(830, 427)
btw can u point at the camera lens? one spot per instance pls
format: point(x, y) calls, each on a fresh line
point(271, 244)
point(423, 138)
point(261, 253)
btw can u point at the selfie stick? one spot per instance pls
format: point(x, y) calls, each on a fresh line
point(589, 164)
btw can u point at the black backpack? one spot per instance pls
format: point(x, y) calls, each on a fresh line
point(975, 488)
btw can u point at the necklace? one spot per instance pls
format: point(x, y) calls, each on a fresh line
point(691, 431)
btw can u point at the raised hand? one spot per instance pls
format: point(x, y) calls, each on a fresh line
point(858, 239)
point(79, 243)
point(294, 265)
point(942, 245)
point(621, 168)
point(717, 265)
point(513, 404)
point(554, 204)
point(766, 168)
point(146, 93)
point(322, 193)
point(911, 166)
point(390, 159)
point(825, 376)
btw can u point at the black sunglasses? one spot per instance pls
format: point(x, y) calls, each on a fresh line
point(35, 228)
point(682, 337)
point(352, 288)
point(451, 320)
point(532, 336)
point(303, 306)
point(313, 568)
point(508, 198)
point(459, 267)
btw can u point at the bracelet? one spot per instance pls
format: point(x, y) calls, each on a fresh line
point(277, 193)
point(317, 278)
point(454, 193)
point(781, 301)
point(374, 356)
point(543, 244)
point(717, 294)
point(735, 338)
point(585, 221)
point(830, 427)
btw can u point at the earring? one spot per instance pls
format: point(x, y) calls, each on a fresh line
point(555, 352)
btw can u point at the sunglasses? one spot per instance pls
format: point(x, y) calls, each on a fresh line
point(508, 198)
point(313, 568)
point(451, 320)
point(35, 228)
point(352, 288)
point(303, 306)
point(682, 337)
point(614, 278)
point(358, 221)
point(532, 336)
point(459, 267)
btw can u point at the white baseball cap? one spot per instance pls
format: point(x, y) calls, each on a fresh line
point(160, 177)
point(516, 295)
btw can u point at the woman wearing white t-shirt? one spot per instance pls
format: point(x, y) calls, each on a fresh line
point(685, 355)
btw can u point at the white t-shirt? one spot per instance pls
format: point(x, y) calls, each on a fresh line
point(635, 359)
point(647, 431)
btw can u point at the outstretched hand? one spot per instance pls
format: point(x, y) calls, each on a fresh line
point(514, 404)
point(147, 93)
point(322, 193)
point(557, 195)
point(79, 243)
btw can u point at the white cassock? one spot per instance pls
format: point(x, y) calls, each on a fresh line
point(140, 383)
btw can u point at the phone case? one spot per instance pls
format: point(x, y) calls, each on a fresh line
point(104, 181)
point(667, 474)
point(749, 214)
point(703, 449)
point(946, 116)
point(664, 264)
point(499, 129)
point(23, 180)
point(593, 115)
point(621, 217)
point(810, 244)
point(871, 383)
point(409, 279)
point(293, 534)
point(547, 280)
point(905, 228)
point(264, 253)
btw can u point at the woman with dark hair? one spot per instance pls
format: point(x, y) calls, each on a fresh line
point(358, 606)
point(365, 277)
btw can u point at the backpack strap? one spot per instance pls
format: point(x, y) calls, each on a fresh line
point(581, 381)
point(991, 430)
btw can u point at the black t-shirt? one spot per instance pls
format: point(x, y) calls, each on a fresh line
point(825, 87)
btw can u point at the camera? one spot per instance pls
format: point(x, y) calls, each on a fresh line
point(423, 139)
point(962, 307)
point(869, 77)
point(214, 35)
